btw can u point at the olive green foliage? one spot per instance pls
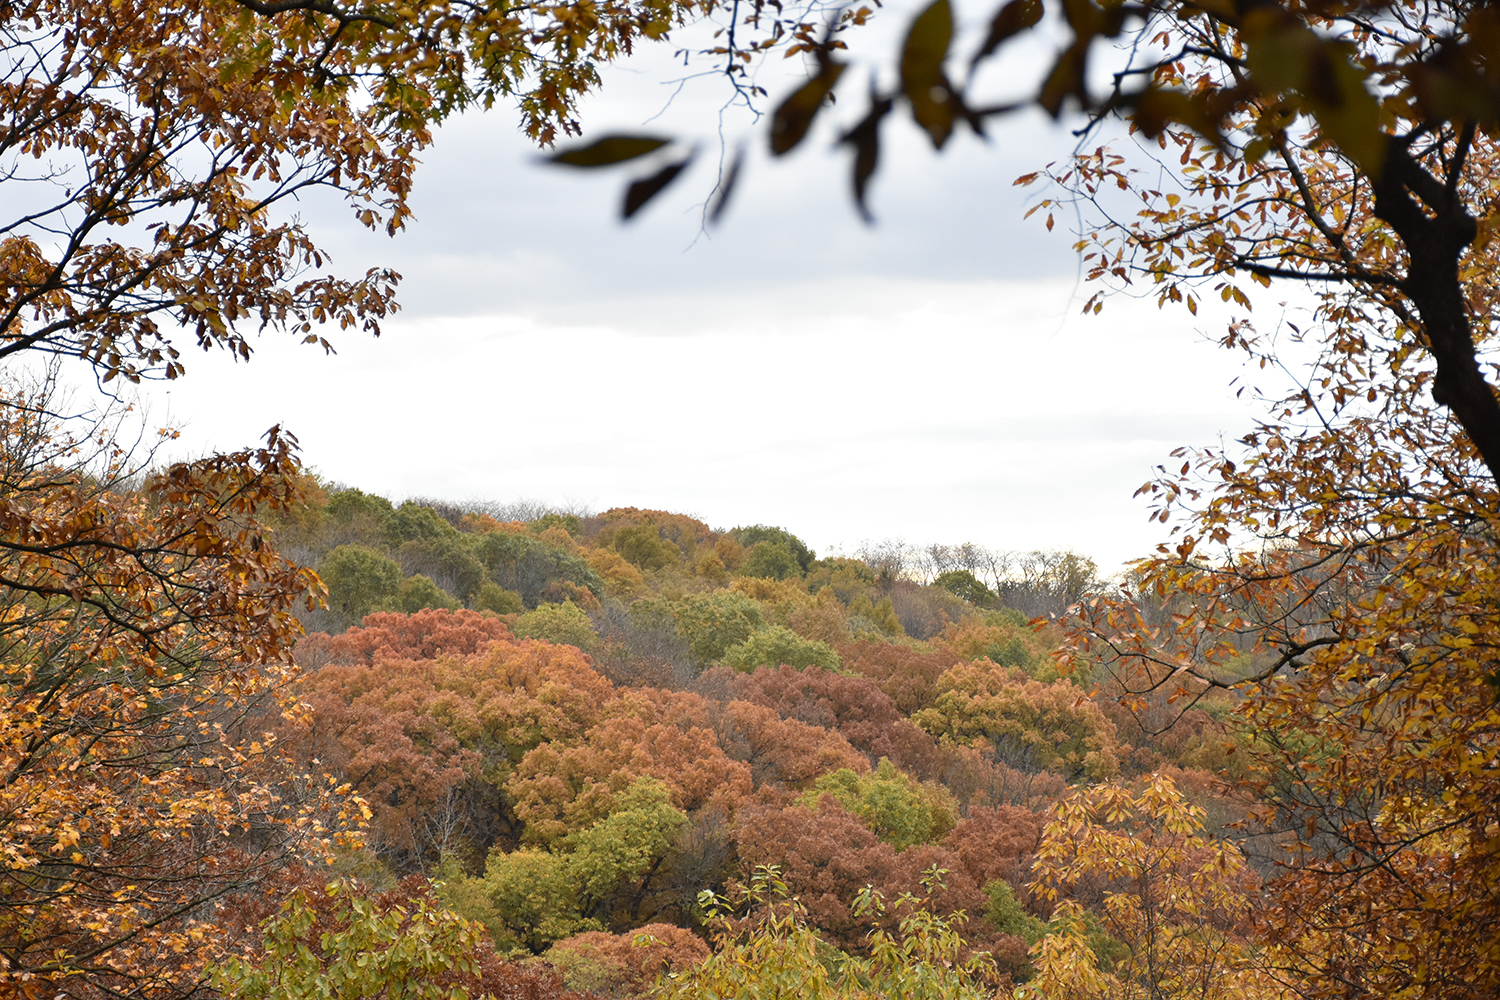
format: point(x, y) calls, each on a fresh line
point(896, 807)
point(393, 954)
point(419, 593)
point(359, 580)
point(644, 547)
point(531, 897)
point(527, 565)
point(713, 623)
point(493, 597)
point(358, 511)
point(565, 624)
point(1004, 912)
point(449, 559)
point(776, 645)
point(965, 585)
point(771, 954)
point(771, 560)
point(756, 534)
point(412, 521)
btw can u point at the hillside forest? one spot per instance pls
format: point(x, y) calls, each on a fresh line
point(273, 737)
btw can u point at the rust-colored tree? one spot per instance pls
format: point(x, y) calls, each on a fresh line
point(141, 626)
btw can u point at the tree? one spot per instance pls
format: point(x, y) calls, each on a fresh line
point(1033, 725)
point(163, 147)
point(776, 645)
point(393, 953)
point(897, 809)
point(626, 965)
point(531, 897)
point(1178, 900)
point(360, 581)
point(146, 623)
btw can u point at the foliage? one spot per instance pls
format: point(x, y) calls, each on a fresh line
point(360, 581)
point(776, 645)
point(562, 624)
point(898, 809)
point(626, 965)
point(770, 952)
point(392, 953)
point(1180, 906)
point(531, 897)
point(962, 583)
point(715, 622)
point(789, 543)
point(771, 560)
point(419, 593)
point(1033, 725)
point(144, 617)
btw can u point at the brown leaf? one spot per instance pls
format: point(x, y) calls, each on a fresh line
point(647, 188)
point(865, 138)
point(934, 106)
point(795, 115)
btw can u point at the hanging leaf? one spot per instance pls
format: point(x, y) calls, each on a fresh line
point(609, 150)
point(795, 115)
point(726, 188)
point(647, 188)
point(1066, 78)
point(865, 138)
point(1014, 17)
point(933, 103)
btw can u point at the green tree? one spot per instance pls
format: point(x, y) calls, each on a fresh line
point(771, 560)
point(532, 897)
point(565, 624)
point(644, 547)
point(714, 622)
point(895, 806)
point(360, 580)
point(964, 584)
point(419, 593)
point(357, 950)
point(776, 645)
point(757, 533)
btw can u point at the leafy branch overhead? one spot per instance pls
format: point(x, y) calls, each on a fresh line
point(1241, 74)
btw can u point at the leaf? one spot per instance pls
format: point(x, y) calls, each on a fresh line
point(1014, 17)
point(865, 138)
point(1066, 78)
point(795, 114)
point(609, 150)
point(933, 103)
point(643, 190)
point(726, 188)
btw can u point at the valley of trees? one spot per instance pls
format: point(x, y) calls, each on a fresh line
point(267, 737)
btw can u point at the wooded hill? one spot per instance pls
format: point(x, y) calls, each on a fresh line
point(575, 725)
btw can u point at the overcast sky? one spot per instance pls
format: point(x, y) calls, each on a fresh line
point(927, 378)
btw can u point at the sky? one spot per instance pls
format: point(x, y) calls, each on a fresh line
point(927, 378)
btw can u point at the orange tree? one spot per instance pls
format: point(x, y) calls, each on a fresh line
point(144, 619)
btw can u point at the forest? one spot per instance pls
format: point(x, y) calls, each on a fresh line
point(519, 752)
point(267, 736)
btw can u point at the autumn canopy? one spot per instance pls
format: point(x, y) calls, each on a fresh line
point(268, 736)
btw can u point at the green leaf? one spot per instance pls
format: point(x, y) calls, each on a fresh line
point(609, 150)
point(795, 115)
